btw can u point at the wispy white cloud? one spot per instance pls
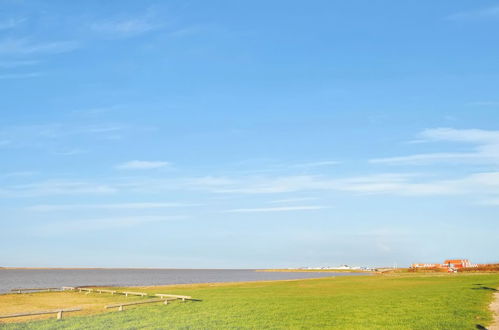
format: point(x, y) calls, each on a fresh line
point(477, 14)
point(70, 152)
point(122, 28)
point(56, 135)
point(486, 150)
point(277, 209)
point(209, 181)
point(421, 159)
point(477, 185)
point(380, 183)
point(57, 187)
point(142, 165)
point(317, 164)
point(115, 206)
point(25, 46)
point(100, 224)
point(461, 135)
point(292, 200)
point(258, 185)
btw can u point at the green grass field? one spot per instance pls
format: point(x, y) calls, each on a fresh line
point(396, 301)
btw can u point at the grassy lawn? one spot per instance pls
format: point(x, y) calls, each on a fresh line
point(396, 301)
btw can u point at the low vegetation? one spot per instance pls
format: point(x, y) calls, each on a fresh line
point(390, 301)
point(428, 270)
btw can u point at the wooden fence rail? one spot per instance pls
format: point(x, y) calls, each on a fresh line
point(55, 311)
point(164, 295)
point(20, 290)
point(87, 290)
point(126, 293)
point(120, 305)
point(106, 291)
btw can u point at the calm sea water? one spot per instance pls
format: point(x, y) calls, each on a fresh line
point(40, 278)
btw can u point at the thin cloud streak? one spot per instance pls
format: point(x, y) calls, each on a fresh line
point(100, 224)
point(292, 200)
point(44, 135)
point(57, 187)
point(142, 165)
point(25, 46)
point(276, 209)
point(124, 28)
point(479, 185)
point(486, 150)
point(116, 206)
point(318, 164)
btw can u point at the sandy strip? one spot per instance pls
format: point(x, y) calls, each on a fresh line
point(494, 307)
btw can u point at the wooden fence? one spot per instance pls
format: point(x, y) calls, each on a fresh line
point(163, 297)
point(20, 290)
point(121, 305)
point(54, 311)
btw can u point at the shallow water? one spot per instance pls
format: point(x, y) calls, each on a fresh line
point(42, 278)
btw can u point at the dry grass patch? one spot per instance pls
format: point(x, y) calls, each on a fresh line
point(92, 303)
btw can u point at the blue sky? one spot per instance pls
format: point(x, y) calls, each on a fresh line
point(248, 133)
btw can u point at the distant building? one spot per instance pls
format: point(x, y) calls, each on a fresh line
point(459, 263)
point(425, 265)
point(449, 264)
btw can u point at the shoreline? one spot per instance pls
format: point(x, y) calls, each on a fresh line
point(182, 285)
point(117, 268)
point(26, 278)
point(269, 270)
point(314, 270)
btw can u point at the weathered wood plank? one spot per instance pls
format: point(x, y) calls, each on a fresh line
point(54, 311)
point(120, 305)
point(20, 290)
point(126, 293)
point(106, 291)
point(164, 295)
point(172, 295)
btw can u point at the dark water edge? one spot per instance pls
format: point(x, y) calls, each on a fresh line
point(44, 278)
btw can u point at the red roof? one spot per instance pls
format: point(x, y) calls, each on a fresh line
point(456, 261)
